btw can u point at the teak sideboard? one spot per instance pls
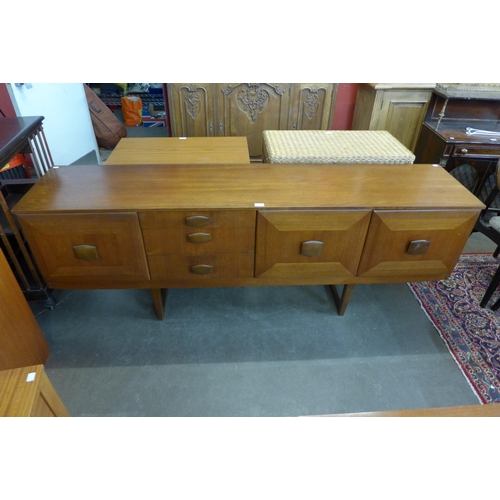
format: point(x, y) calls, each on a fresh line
point(173, 226)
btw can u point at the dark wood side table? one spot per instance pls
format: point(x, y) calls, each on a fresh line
point(444, 137)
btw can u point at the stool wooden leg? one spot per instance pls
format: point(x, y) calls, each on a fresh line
point(341, 302)
point(491, 289)
point(159, 298)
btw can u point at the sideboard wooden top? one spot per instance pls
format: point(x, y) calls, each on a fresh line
point(148, 187)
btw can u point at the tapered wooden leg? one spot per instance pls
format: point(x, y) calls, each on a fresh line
point(341, 302)
point(159, 298)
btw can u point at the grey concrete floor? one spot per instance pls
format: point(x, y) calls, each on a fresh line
point(255, 351)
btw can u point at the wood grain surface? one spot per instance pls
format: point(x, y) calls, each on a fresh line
point(95, 188)
point(176, 150)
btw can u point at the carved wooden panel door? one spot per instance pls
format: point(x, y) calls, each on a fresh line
point(247, 109)
point(311, 106)
point(192, 109)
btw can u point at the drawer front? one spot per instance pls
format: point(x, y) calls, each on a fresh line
point(474, 151)
point(198, 233)
point(85, 247)
point(199, 268)
point(415, 245)
point(310, 244)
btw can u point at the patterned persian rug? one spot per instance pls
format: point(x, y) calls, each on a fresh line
point(471, 333)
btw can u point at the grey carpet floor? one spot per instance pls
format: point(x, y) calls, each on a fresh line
point(256, 351)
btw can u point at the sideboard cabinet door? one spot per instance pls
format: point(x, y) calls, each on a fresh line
point(310, 244)
point(412, 245)
point(192, 109)
point(84, 248)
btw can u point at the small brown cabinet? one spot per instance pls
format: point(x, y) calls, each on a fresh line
point(398, 108)
point(247, 109)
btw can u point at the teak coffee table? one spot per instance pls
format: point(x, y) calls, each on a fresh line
point(179, 150)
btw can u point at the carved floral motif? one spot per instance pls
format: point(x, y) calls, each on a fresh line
point(311, 108)
point(254, 99)
point(312, 103)
point(192, 101)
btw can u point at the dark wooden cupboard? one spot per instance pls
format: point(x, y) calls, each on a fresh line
point(461, 132)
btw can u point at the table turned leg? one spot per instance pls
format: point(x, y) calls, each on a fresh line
point(159, 298)
point(341, 302)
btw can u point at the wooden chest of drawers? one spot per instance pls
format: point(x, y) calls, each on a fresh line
point(172, 226)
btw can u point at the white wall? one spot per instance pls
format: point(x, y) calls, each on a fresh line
point(67, 124)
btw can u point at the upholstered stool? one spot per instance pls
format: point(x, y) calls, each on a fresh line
point(334, 146)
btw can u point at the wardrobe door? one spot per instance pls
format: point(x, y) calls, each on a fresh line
point(312, 106)
point(191, 108)
point(247, 109)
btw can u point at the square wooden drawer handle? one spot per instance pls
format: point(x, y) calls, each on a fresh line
point(418, 247)
point(199, 237)
point(85, 252)
point(197, 220)
point(201, 269)
point(311, 248)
